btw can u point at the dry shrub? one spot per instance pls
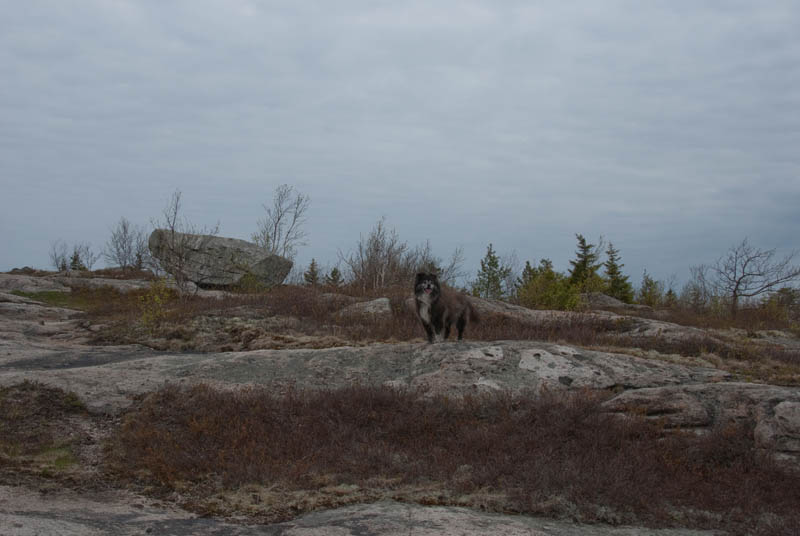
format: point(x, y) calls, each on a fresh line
point(748, 318)
point(318, 310)
point(30, 415)
point(699, 345)
point(123, 273)
point(555, 454)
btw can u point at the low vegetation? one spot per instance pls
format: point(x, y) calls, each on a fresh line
point(275, 455)
point(272, 456)
point(36, 432)
point(292, 316)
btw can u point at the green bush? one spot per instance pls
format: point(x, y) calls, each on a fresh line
point(153, 304)
point(544, 288)
point(651, 292)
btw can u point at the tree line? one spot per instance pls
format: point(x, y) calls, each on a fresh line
point(742, 274)
point(380, 260)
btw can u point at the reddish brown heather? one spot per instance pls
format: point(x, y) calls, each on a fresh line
point(318, 317)
point(555, 454)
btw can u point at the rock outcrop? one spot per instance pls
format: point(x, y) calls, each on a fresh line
point(214, 261)
point(773, 410)
point(27, 283)
point(600, 301)
point(68, 513)
point(376, 307)
point(50, 345)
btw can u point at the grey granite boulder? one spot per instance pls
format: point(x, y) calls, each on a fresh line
point(214, 261)
point(700, 407)
point(376, 307)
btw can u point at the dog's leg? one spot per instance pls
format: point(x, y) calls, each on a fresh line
point(429, 332)
point(460, 325)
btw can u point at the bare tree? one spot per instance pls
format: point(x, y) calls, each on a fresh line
point(424, 260)
point(697, 293)
point(746, 271)
point(83, 256)
point(58, 255)
point(178, 240)
point(142, 258)
point(127, 246)
point(381, 260)
point(378, 259)
point(513, 272)
point(281, 231)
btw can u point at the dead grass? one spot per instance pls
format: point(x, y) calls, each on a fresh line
point(555, 454)
point(747, 318)
point(699, 345)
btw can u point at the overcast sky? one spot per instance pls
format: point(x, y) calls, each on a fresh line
point(670, 128)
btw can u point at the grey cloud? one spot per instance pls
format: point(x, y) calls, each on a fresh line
point(669, 127)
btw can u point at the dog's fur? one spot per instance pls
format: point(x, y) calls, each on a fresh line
point(438, 308)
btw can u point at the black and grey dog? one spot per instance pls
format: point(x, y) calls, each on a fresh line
point(439, 307)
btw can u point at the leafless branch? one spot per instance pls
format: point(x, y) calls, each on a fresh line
point(58, 255)
point(281, 231)
point(381, 259)
point(746, 271)
point(179, 239)
point(127, 246)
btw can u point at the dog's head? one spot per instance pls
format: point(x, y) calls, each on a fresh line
point(427, 284)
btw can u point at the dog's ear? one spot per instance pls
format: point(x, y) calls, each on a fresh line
point(435, 277)
point(420, 275)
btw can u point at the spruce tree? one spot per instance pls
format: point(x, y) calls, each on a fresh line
point(651, 292)
point(311, 275)
point(585, 266)
point(334, 278)
point(618, 285)
point(76, 263)
point(528, 274)
point(491, 276)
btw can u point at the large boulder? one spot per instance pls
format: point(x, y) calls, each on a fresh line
point(215, 261)
point(376, 307)
point(700, 407)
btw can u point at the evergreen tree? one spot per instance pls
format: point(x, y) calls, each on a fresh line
point(311, 275)
point(671, 298)
point(651, 292)
point(584, 268)
point(528, 273)
point(617, 285)
point(334, 278)
point(491, 276)
point(76, 263)
point(544, 288)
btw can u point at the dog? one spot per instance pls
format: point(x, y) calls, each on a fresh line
point(438, 308)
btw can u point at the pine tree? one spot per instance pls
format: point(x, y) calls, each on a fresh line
point(585, 266)
point(491, 276)
point(528, 274)
point(651, 292)
point(617, 284)
point(311, 275)
point(671, 298)
point(76, 263)
point(334, 278)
